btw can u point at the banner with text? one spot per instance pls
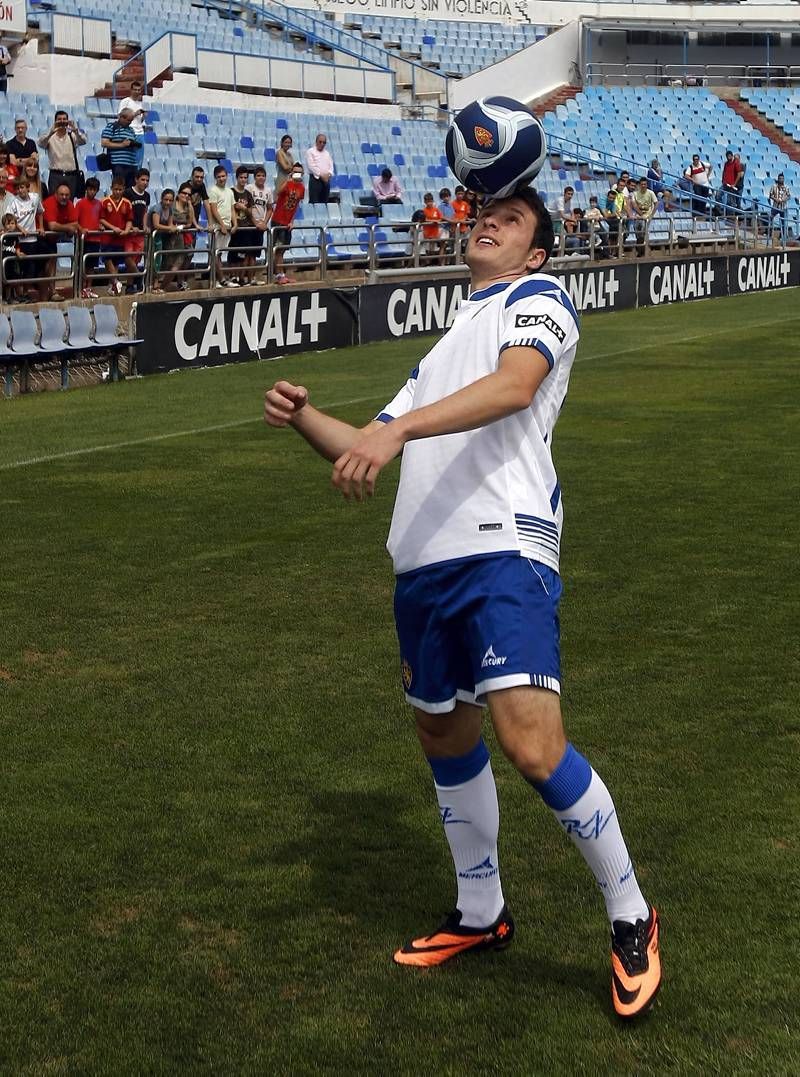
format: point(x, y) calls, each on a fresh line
point(231, 330)
point(13, 17)
point(208, 332)
point(508, 11)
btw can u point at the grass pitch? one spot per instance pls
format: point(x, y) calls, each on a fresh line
point(215, 824)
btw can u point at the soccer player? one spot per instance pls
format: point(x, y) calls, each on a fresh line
point(475, 543)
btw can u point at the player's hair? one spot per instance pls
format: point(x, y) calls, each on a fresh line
point(259, 169)
point(7, 218)
point(543, 236)
point(142, 172)
point(93, 182)
point(242, 170)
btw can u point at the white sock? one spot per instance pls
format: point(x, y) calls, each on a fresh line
point(592, 824)
point(471, 820)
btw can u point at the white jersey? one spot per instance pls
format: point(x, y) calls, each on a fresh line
point(491, 490)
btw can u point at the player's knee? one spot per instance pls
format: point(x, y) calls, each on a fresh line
point(535, 756)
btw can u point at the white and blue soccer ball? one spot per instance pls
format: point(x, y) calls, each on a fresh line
point(494, 145)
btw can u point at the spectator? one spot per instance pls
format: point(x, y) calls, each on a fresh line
point(5, 60)
point(564, 207)
point(122, 147)
point(89, 210)
point(221, 220)
point(728, 194)
point(655, 177)
point(27, 209)
point(445, 205)
point(61, 143)
point(20, 148)
point(137, 107)
point(594, 220)
point(434, 241)
point(623, 188)
point(698, 174)
point(284, 162)
point(34, 178)
point(199, 198)
point(167, 241)
point(286, 204)
point(184, 218)
point(475, 202)
point(246, 235)
point(461, 212)
point(741, 167)
point(11, 170)
point(320, 169)
point(387, 189)
point(612, 213)
point(779, 195)
point(262, 202)
point(643, 206)
point(116, 221)
point(12, 266)
point(6, 188)
point(667, 201)
point(60, 219)
point(139, 198)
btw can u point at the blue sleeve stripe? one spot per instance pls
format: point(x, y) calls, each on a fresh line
point(555, 497)
point(531, 342)
point(414, 373)
point(384, 417)
point(546, 288)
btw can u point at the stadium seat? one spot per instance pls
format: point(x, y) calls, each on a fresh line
point(23, 328)
point(106, 326)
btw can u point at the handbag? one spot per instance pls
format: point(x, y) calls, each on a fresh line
point(103, 162)
point(80, 185)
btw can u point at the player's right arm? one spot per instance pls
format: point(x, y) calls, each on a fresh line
point(287, 405)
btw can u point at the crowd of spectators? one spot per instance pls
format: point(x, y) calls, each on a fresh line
point(239, 210)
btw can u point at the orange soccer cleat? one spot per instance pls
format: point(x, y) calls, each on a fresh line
point(635, 965)
point(451, 939)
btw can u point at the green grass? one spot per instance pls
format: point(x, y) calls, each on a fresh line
point(215, 823)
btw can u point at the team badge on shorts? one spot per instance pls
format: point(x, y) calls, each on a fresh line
point(405, 670)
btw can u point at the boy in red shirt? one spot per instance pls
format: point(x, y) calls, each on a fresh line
point(461, 210)
point(60, 220)
point(116, 221)
point(286, 204)
point(431, 230)
point(89, 209)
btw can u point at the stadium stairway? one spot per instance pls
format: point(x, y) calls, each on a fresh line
point(551, 101)
point(762, 123)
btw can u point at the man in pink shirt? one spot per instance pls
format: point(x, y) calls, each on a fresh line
point(320, 170)
point(387, 190)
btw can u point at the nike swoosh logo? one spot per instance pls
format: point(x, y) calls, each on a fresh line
point(414, 949)
point(623, 994)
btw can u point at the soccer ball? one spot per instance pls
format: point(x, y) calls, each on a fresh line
point(494, 145)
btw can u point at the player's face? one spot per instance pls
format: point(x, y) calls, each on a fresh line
point(501, 243)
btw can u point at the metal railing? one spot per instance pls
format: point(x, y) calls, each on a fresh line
point(319, 250)
point(691, 75)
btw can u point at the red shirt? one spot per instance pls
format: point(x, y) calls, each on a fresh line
point(730, 173)
point(289, 198)
point(56, 214)
point(461, 210)
point(88, 210)
point(116, 213)
point(432, 214)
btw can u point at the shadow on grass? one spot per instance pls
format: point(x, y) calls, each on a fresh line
point(370, 869)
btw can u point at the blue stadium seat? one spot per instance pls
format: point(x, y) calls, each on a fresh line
point(269, 154)
point(201, 117)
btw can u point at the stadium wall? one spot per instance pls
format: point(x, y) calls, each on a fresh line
point(212, 332)
point(533, 72)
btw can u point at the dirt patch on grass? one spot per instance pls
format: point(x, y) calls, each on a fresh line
point(111, 923)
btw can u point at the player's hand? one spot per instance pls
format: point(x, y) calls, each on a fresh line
point(282, 403)
point(356, 471)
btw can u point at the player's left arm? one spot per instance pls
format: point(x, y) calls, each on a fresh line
point(509, 389)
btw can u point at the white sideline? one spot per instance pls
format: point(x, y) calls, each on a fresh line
point(357, 400)
point(163, 437)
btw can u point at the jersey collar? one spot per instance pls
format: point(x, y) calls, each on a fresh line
point(493, 289)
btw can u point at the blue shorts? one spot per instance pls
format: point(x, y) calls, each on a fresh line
point(476, 626)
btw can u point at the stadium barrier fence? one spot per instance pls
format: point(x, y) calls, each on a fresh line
point(234, 328)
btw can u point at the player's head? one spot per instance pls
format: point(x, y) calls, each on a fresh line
point(118, 186)
point(517, 234)
point(297, 172)
point(260, 175)
point(92, 187)
point(242, 172)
